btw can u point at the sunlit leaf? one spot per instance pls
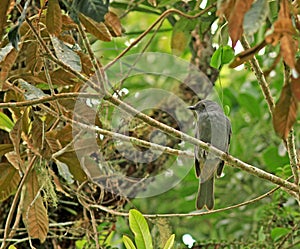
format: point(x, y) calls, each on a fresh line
point(5, 122)
point(5, 51)
point(53, 17)
point(170, 242)
point(9, 180)
point(279, 232)
point(284, 114)
point(34, 213)
point(140, 228)
point(128, 242)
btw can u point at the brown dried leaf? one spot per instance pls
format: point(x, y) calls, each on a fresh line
point(7, 64)
point(112, 21)
point(70, 159)
point(56, 182)
point(236, 18)
point(54, 18)
point(87, 66)
point(288, 49)
point(95, 28)
point(34, 213)
point(284, 114)
point(283, 32)
point(295, 85)
point(4, 9)
point(9, 180)
point(5, 148)
point(152, 2)
point(13, 159)
point(15, 137)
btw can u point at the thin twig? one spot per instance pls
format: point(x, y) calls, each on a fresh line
point(291, 148)
point(158, 20)
point(260, 77)
point(200, 213)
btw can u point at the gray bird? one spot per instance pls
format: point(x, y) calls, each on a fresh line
point(213, 127)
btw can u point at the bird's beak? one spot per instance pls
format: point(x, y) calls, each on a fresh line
point(191, 107)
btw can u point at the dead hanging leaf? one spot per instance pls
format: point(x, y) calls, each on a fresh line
point(34, 213)
point(284, 114)
point(112, 21)
point(9, 180)
point(98, 29)
point(283, 32)
point(54, 18)
point(87, 66)
point(15, 137)
point(295, 85)
point(234, 11)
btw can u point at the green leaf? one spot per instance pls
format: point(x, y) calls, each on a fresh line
point(5, 123)
point(95, 9)
point(221, 56)
point(279, 232)
point(140, 229)
point(255, 17)
point(273, 160)
point(261, 234)
point(170, 242)
point(128, 242)
point(66, 54)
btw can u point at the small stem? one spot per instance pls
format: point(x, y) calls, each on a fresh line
point(293, 156)
point(260, 77)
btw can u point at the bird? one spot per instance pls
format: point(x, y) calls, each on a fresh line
point(213, 127)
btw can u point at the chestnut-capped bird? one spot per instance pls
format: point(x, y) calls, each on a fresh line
point(213, 127)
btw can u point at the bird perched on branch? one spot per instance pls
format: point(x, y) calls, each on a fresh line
point(213, 127)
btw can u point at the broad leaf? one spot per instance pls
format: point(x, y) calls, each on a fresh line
point(170, 242)
point(95, 9)
point(236, 18)
point(284, 114)
point(30, 91)
point(221, 56)
point(34, 213)
point(9, 180)
point(5, 51)
point(255, 17)
point(66, 54)
point(279, 232)
point(5, 122)
point(54, 18)
point(97, 29)
point(140, 228)
point(128, 242)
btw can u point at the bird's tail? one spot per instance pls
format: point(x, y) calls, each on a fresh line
point(206, 194)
